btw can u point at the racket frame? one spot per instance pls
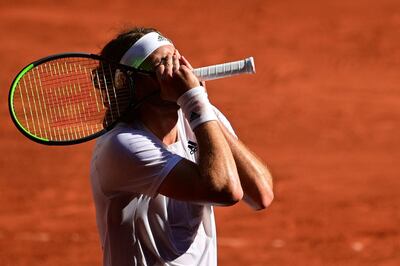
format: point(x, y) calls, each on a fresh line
point(127, 69)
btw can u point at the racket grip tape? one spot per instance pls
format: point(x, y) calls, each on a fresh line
point(245, 66)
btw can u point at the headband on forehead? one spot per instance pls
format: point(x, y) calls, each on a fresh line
point(143, 48)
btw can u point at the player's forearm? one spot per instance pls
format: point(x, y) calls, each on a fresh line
point(217, 165)
point(254, 176)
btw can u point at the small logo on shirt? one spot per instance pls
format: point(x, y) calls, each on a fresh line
point(192, 147)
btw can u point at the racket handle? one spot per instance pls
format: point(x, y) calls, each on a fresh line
point(245, 66)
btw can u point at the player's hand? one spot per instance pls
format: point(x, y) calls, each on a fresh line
point(175, 77)
point(185, 62)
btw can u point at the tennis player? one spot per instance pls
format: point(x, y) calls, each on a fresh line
point(157, 175)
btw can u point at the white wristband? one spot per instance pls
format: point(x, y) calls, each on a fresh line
point(196, 106)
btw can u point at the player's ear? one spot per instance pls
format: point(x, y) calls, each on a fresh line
point(120, 79)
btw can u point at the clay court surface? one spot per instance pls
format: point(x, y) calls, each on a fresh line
point(323, 111)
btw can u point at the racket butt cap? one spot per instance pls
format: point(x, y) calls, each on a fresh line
point(250, 66)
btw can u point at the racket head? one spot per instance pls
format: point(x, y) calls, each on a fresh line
point(70, 98)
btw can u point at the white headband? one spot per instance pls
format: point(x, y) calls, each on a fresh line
point(143, 48)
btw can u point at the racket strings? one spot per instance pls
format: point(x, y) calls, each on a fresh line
point(69, 99)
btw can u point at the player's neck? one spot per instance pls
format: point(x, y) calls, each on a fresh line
point(161, 124)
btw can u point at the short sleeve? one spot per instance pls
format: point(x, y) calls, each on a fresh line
point(133, 162)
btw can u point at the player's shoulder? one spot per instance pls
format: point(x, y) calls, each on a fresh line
point(132, 134)
point(127, 138)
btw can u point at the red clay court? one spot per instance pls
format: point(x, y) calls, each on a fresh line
point(323, 111)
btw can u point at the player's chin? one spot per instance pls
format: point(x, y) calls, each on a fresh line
point(164, 104)
point(172, 106)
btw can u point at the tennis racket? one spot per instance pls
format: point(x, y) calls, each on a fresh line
point(71, 98)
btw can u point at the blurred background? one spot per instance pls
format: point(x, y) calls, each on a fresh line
point(323, 111)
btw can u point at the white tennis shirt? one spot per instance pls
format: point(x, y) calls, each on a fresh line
point(138, 226)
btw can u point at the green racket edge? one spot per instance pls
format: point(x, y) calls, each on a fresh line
point(22, 129)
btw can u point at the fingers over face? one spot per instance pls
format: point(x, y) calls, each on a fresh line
point(185, 62)
point(168, 65)
point(175, 63)
point(160, 71)
point(177, 53)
